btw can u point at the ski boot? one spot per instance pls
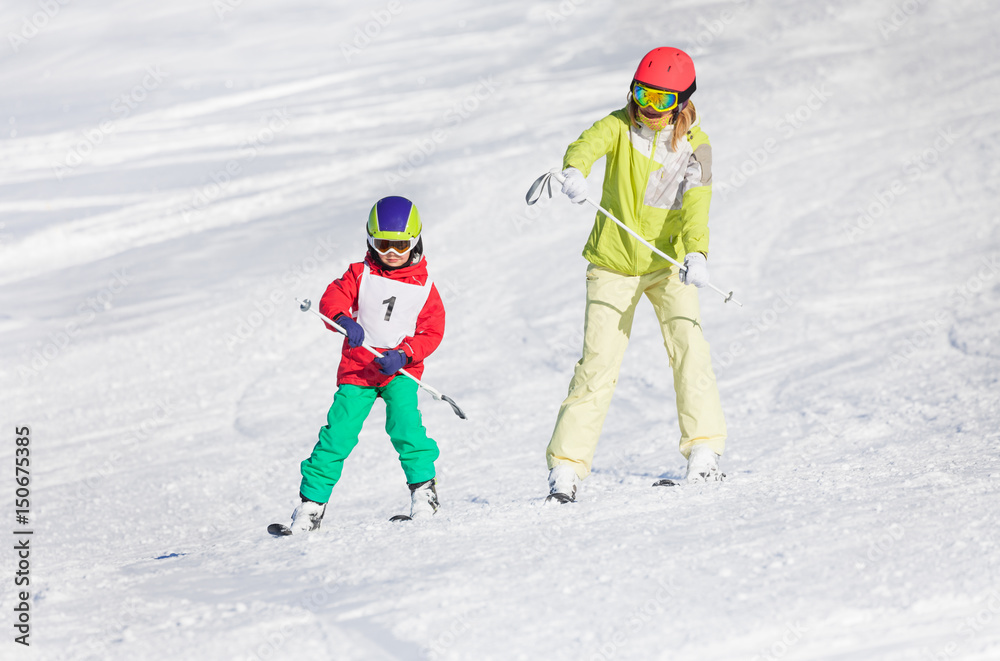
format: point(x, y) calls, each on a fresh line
point(307, 516)
point(423, 499)
point(703, 465)
point(563, 482)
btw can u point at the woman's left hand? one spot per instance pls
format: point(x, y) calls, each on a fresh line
point(695, 270)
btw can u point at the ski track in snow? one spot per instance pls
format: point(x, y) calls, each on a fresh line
point(149, 337)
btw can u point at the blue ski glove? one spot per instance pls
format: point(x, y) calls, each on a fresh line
point(392, 361)
point(355, 333)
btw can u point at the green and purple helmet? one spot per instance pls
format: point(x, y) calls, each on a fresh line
point(394, 226)
point(394, 218)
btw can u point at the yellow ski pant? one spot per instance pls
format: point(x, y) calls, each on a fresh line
point(611, 301)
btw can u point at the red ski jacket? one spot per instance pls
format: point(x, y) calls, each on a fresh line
point(358, 366)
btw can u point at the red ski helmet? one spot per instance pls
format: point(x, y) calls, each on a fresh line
point(668, 69)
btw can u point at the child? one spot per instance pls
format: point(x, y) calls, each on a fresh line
point(658, 182)
point(388, 302)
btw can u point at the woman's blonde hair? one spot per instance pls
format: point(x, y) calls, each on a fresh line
point(682, 120)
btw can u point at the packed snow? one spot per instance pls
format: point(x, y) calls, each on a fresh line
point(173, 175)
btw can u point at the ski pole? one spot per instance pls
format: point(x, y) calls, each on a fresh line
point(306, 306)
point(543, 182)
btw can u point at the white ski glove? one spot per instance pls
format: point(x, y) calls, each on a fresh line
point(695, 270)
point(575, 185)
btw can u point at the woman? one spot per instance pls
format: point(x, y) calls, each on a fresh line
point(658, 182)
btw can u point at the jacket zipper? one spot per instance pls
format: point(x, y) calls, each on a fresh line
point(641, 201)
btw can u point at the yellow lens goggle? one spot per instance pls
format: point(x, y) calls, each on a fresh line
point(650, 97)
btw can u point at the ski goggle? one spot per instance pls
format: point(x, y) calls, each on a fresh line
point(398, 246)
point(658, 100)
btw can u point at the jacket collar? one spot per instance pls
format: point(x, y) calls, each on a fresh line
point(411, 271)
point(646, 133)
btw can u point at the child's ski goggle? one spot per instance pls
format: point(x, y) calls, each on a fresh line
point(658, 100)
point(398, 246)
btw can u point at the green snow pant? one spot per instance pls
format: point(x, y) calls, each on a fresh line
point(351, 405)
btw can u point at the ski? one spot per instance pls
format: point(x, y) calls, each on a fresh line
point(707, 478)
point(279, 529)
point(666, 483)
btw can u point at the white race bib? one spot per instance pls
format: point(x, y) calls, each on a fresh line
point(388, 309)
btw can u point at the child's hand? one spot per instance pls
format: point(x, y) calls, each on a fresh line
point(392, 361)
point(355, 333)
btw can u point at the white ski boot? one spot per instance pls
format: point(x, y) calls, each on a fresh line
point(563, 482)
point(703, 465)
point(307, 516)
point(423, 499)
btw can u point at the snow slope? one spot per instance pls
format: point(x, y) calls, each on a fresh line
point(171, 176)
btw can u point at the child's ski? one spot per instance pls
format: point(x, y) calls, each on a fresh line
point(279, 529)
